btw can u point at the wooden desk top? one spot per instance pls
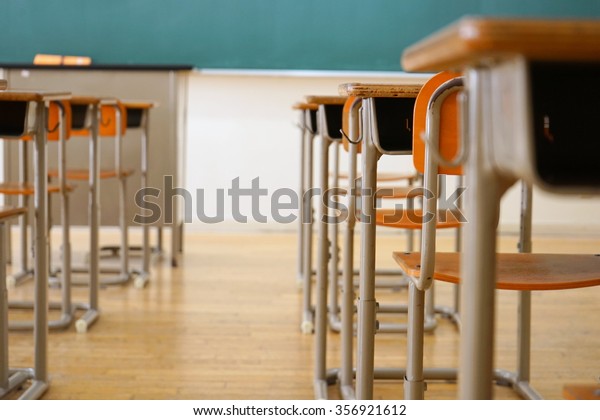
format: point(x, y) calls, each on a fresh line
point(3, 84)
point(109, 101)
point(32, 95)
point(473, 40)
point(139, 104)
point(84, 100)
point(7, 212)
point(95, 100)
point(305, 106)
point(362, 90)
point(326, 100)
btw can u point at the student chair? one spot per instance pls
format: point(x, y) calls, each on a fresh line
point(384, 128)
point(15, 122)
point(138, 116)
point(323, 121)
point(112, 123)
point(520, 126)
point(307, 114)
point(523, 272)
point(59, 130)
point(10, 379)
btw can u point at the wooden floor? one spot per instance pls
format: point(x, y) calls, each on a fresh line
point(225, 325)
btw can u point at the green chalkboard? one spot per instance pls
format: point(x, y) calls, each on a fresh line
point(246, 34)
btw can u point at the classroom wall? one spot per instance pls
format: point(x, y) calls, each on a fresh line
point(241, 124)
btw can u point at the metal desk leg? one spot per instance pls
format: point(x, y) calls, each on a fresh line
point(347, 309)
point(26, 271)
point(91, 315)
point(367, 306)
point(301, 191)
point(307, 227)
point(333, 241)
point(144, 276)
point(4, 372)
point(67, 306)
point(40, 328)
point(478, 261)
point(320, 382)
point(175, 232)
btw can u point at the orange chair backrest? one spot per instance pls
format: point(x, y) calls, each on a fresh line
point(53, 122)
point(108, 120)
point(449, 136)
point(346, 124)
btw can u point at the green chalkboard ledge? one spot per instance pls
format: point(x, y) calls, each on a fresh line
point(121, 67)
point(347, 74)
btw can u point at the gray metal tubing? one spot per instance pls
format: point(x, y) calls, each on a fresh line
point(414, 382)
point(91, 315)
point(24, 202)
point(122, 194)
point(8, 245)
point(320, 382)
point(431, 182)
point(333, 234)
point(301, 191)
point(524, 315)
point(124, 275)
point(420, 305)
point(159, 239)
point(66, 306)
point(336, 321)
point(522, 387)
point(40, 329)
point(175, 235)
point(458, 243)
point(25, 272)
point(347, 312)
point(410, 234)
point(307, 227)
point(144, 276)
point(4, 373)
point(478, 260)
point(367, 304)
point(67, 310)
point(440, 374)
point(15, 380)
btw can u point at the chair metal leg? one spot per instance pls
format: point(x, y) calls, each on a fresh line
point(307, 325)
point(347, 312)
point(333, 235)
point(26, 271)
point(4, 373)
point(320, 381)
point(93, 311)
point(414, 381)
point(40, 329)
point(301, 191)
point(144, 276)
point(175, 236)
point(367, 306)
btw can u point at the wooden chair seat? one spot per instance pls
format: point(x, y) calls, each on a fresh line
point(386, 176)
point(7, 212)
point(517, 271)
point(84, 174)
point(391, 192)
point(303, 106)
point(413, 219)
point(581, 392)
point(20, 188)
